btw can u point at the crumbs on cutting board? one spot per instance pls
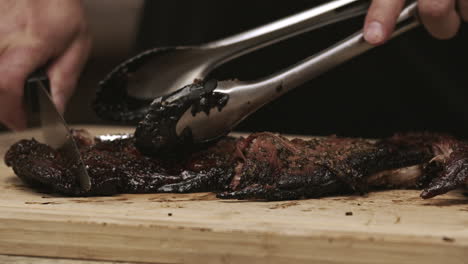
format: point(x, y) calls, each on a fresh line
point(41, 203)
point(284, 205)
point(448, 239)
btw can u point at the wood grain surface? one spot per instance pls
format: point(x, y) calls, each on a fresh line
point(4, 259)
point(381, 227)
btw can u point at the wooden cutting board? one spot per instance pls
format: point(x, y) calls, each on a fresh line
point(382, 227)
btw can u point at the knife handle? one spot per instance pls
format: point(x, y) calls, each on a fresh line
point(31, 96)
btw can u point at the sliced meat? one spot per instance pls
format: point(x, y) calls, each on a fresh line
point(261, 166)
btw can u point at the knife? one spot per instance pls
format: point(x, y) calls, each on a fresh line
point(55, 131)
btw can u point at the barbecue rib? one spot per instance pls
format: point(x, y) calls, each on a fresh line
point(261, 166)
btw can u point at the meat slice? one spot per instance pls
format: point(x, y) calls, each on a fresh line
point(118, 167)
point(446, 170)
point(275, 168)
point(261, 166)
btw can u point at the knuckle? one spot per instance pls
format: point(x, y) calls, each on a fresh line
point(26, 53)
point(36, 47)
point(435, 8)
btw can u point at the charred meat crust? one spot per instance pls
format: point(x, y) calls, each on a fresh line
point(118, 167)
point(156, 134)
point(275, 168)
point(451, 170)
point(41, 166)
point(261, 166)
point(448, 167)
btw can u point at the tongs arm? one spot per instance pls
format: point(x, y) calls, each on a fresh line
point(200, 113)
point(323, 15)
point(247, 97)
point(265, 90)
point(160, 71)
point(339, 53)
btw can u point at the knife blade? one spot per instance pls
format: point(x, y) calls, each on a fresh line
point(55, 130)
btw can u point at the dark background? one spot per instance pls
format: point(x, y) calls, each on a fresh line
point(413, 83)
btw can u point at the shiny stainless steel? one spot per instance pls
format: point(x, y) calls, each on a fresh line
point(179, 66)
point(247, 97)
point(56, 132)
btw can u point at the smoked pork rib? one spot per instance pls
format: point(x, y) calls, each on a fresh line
point(261, 166)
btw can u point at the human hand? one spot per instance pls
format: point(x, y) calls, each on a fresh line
point(34, 33)
point(441, 18)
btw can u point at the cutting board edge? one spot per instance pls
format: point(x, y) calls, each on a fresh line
point(175, 244)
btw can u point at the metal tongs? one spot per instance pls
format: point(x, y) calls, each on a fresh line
point(247, 97)
point(55, 131)
point(170, 68)
point(240, 98)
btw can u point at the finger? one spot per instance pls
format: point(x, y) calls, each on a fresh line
point(463, 9)
point(66, 69)
point(12, 114)
point(381, 19)
point(15, 65)
point(439, 17)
